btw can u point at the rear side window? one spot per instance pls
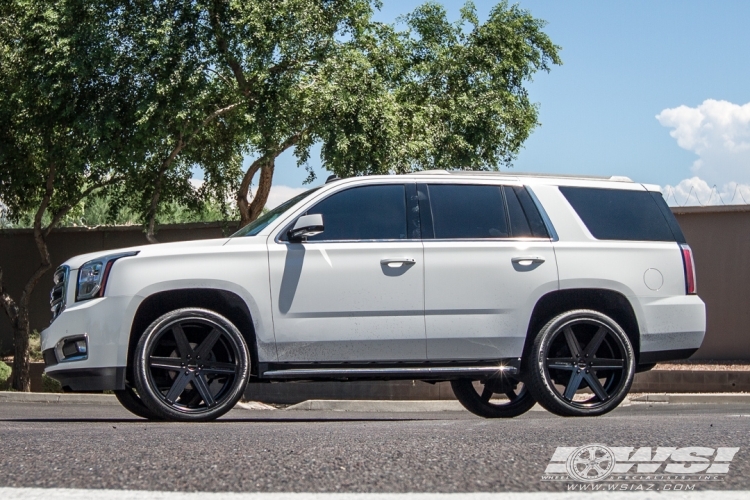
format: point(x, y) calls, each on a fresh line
point(467, 212)
point(618, 214)
point(363, 213)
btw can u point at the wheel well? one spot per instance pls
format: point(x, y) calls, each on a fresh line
point(228, 304)
point(609, 302)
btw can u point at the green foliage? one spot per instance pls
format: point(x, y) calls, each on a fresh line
point(50, 385)
point(4, 375)
point(435, 95)
point(35, 346)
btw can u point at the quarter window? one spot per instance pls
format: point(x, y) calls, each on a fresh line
point(618, 214)
point(363, 213)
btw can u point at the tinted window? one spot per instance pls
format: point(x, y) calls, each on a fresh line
point(363, 213)
point(616, 214)
point(525, 220)
point(461, 211)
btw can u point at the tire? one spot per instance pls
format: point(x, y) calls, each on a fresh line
point(480, 403)
point(130, 400)
point(191, 365)
point(577, 350)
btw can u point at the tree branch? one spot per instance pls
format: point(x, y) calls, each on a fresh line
point(250, 211)
point(221, 42)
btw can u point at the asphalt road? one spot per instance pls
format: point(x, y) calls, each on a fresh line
point(87, 446)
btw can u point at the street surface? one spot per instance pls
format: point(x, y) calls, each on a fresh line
point(104, 447)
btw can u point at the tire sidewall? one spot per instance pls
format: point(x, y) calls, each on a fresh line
point(149, 395)
point(540, 384)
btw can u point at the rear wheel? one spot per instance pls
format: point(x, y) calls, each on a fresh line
point(191, 365)
point(481, 397)
point(581, 364)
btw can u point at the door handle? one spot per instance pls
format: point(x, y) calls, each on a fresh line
point(527, 260)
point(404, 261)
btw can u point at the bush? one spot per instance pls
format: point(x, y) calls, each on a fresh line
point(4, 376)
point(50, 385)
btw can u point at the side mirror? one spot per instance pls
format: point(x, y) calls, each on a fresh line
point(307, 225)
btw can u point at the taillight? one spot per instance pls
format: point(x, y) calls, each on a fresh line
point(689, 267)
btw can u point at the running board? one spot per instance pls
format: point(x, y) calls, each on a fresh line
point(416, 373)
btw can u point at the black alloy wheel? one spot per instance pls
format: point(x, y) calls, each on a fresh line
point(477, 396)
point(129, 399)
point(191, 365)
point(581, 364)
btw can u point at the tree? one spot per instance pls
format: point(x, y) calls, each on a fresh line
point(108, 99)
point(61, 106)
point(435, 95)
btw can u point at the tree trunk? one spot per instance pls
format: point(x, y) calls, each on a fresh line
point(249, 211)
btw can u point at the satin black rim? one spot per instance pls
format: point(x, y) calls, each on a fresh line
point(193, 364)
point(586, 363)
point(511, 388)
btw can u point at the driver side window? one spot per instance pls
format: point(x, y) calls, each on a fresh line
point(363, 213)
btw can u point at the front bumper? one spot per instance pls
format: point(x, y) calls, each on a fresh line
point(100, 322)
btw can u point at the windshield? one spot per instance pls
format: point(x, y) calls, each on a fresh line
point(264, 220)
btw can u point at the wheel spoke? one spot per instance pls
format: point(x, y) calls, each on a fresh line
point(183, 346)
point(166, 363)
point(570, 338)
point(607, 364)
point(596, 386)
point(178, 386)
point(593, 346)
point(208, 343)
point(216, 367)
point(512, 396)
point(573, 384)
point(204, 390)
point(561, 363)
point(486, 393)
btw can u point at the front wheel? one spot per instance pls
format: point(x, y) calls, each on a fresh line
point(191, 365)
point(477, 397)
point(581, 364)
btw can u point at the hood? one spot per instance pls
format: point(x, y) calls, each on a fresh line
point(160, 249)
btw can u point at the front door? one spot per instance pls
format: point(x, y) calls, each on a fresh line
point(488, 258)
point(355, 292)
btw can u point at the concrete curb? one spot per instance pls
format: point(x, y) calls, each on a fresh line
point(51, 397)
point(694, 398)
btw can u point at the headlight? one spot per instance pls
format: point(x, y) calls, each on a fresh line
point(92, 276)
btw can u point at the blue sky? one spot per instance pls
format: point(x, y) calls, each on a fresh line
point(624, 64)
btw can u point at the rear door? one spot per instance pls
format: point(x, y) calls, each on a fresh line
point(488, 258)
point(355, 292)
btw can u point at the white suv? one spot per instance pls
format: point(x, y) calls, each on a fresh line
point(515, 288)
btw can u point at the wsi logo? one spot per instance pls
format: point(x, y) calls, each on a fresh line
point(598, 462)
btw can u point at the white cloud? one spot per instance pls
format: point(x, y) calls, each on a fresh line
point(695, 191)
point(719, 133)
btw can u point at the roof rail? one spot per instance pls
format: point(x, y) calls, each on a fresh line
point(614, 178)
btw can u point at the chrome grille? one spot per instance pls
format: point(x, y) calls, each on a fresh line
point(59, 291)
